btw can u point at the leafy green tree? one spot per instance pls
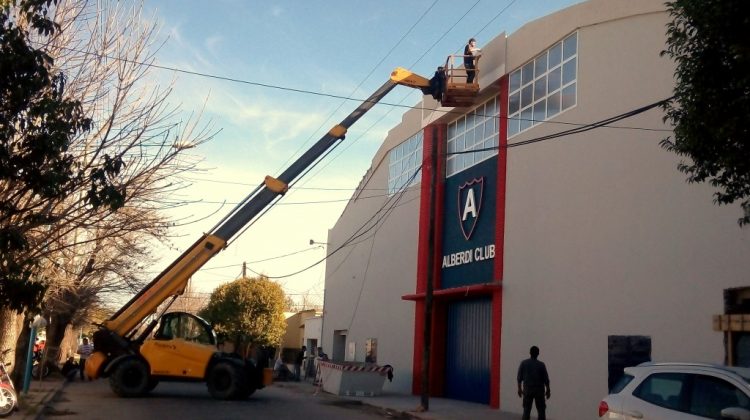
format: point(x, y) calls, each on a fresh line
point(37, 166)
point(248, 311)
point(709, 42)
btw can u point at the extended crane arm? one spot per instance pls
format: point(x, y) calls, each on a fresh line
point(173, 280)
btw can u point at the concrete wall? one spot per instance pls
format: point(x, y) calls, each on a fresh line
point(366, 278)
point(603, 235)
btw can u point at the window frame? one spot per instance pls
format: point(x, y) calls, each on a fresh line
point(477, 129)
point(403, 161)
point(532, 90)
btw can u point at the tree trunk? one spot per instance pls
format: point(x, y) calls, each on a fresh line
point(22, 347)
point(58, 322)
point(10, 325)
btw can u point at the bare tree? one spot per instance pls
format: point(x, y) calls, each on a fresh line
point(105, 48)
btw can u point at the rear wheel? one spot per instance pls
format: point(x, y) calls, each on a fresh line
point(226, 382)
point(8, 400)
point(130, 378)
point(37, 368)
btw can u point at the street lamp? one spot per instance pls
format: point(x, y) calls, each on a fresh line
point(313, 242)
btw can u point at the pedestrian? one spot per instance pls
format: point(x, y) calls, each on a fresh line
point(471, 56)
point(298, 363)
point(84, 351)
point(532, 381)
point(69, 369)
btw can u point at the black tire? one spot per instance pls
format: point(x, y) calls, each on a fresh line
point(130, 378)
point(10, 400)
point(36, 368)
point(226, 382)
point(152, 383)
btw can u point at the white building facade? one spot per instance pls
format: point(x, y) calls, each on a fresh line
point(590, 245)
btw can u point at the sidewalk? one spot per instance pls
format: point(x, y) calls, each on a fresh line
point(405, 406)
point(41, 392)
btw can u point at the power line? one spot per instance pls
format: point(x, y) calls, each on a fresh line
point(315, 93)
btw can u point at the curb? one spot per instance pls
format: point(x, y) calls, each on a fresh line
point(47, 400)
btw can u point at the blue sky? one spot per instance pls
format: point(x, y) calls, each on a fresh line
point(343, 48)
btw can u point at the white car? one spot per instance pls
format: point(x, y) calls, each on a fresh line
point(684, 391)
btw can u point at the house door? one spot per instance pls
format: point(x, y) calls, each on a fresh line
point(467, 356)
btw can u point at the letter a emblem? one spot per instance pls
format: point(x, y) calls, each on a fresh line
point(469, 205)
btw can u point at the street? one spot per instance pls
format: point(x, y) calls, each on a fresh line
point(95, 400)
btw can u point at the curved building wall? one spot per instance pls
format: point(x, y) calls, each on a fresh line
point(599, 238)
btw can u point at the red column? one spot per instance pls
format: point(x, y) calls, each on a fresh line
point(497, 295)
point(424, 257)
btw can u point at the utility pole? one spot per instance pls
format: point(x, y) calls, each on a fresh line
point(244, 269)
point(427, 332)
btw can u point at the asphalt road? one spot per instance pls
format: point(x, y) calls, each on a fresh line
point(95, 400)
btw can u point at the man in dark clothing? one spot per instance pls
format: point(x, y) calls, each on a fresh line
point(532, 381)
point(471, 53)
point(298, 363)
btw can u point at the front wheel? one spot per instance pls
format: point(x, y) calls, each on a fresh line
point(130, 378)
point(8, 400)
point(226, 382)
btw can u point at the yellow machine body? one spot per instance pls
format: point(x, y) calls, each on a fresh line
point(178, 358)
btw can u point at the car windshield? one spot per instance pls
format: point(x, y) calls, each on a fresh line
point(622, 383)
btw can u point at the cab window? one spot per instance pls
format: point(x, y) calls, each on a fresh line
point(184, 326)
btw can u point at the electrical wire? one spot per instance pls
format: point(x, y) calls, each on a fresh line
point(315, 93)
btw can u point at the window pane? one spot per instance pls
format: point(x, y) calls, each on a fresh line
point(553, 104)
point(514, 103)
point(469, 120)
point(526, 116)
point(460, 146)
point(553, 80)
point(460, 125)
point(569, 96)
point(555, 55)
point(451, 130)
point(540, 90)
point(515, 80)
point(451, 165)
point(540, 65)
point(492, 107)
point(489, 128)
point(569, 71)
point(528, 73)
point(459, 162)
point(539, 111)
point(451, 146)
point(469, 139)
point(513, 125)
point(526, 96)
point(569, 46)
point(468, 160)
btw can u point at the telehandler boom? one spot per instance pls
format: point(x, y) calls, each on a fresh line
point(177, 346)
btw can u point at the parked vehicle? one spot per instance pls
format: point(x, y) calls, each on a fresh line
point(685, 391)
point(8, 397)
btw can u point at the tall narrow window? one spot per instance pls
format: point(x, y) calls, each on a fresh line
point(405, 164)
point(543, 87)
